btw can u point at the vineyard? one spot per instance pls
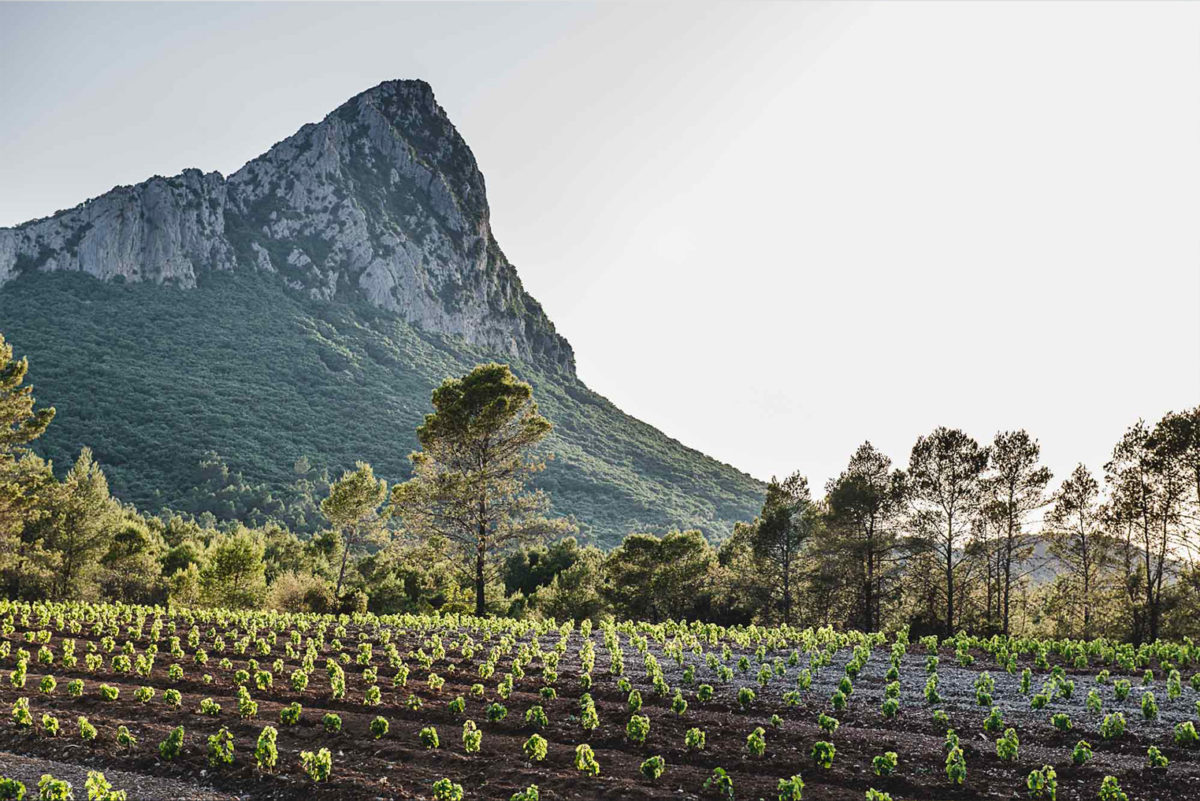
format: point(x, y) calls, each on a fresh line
point(266, 705)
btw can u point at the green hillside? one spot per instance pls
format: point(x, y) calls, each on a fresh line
point(156, 379)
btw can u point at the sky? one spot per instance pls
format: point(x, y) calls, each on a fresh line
point(773, 230)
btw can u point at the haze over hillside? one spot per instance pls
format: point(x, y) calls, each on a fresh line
point(300, 311)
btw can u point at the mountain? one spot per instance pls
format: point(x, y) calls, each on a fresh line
point(301, 311)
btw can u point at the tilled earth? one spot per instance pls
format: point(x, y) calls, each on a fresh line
point(398, 766)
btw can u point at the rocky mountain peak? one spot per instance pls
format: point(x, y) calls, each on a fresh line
point(381, 200)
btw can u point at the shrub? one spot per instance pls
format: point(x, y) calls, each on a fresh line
point(1081, 753)
point(884, 764)
point(679, 704)
point(585, 760)
point(171, 747)
point(536, 716)
point(637, 729)
point(635, 701)
point(52, 789)
point(75, 688)
point(472, 737)
point(745, 697)
point(1061, 721)
point(332, 722)
point(87, 732)
point(318, 766)
point(1093, 702)
point(653, 768)
point(290, 714)
point(47, 685)
point(756, 742)
point(1149, 706)
point(379, 726)
point(1043, 783)
point(496, 712)
point(1121, 688)
point(823, 753)
point(530, 793)
point(210, 707)
point(889, 708)
point(21, 715)
point(828, 723)
point(956, 766)
point(1113, 726)
point(535, 748)
point(877, 795)
point(266, 754)
point(109, 693)
point(1008, 746)
point(428, 737)
point(721, 782)
point(11, 789)
point(994, 722)
point(220, 748)
point(1111, 791)
point(446, 790)
point(125, 739)
point(173, 698)
point(694, 739)
point(1185, 734)
point(1155, 760)
point(704, 692)
point(791, 789)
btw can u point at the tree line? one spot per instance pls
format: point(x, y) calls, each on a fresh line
point(965, 536)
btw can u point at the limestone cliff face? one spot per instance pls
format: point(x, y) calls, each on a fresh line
point(382, 200)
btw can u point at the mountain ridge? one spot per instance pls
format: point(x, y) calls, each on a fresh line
point(361, 248)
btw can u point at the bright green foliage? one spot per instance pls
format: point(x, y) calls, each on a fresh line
point(823, 753)
point(756, 742)
point(1113, 726)
point(11, 789)
point(50, 725)
point(530, 793)
point(332, 722)
point(637, 729)
point(472, 737)
point(791, 789)
point(1111, 791)
point(956, 766)
point(827, 722)
point(220, 748)
point(446, 790)
point(1155, 759)
point(694, 739)
point(266, 754)
point(87, 732)
point(1008, 746)
point(1149, 706)
point(653, 768)
point(1043, 783)
point(994, 722)
point(585, 760)
point(877, 795)
point(52, 789)
point(1081, 753)
point(318, 766)
point(172, 746)
point(1185, 734)
point(290, 714)
point(536, 716)
point(1061, 721)
point(884, 764)
point(379, 727)
point(535, 748)
point(720, 782)
point(428, 737)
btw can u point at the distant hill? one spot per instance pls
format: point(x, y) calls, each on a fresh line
point(204, 333)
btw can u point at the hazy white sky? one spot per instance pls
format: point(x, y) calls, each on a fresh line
point(772, 230)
